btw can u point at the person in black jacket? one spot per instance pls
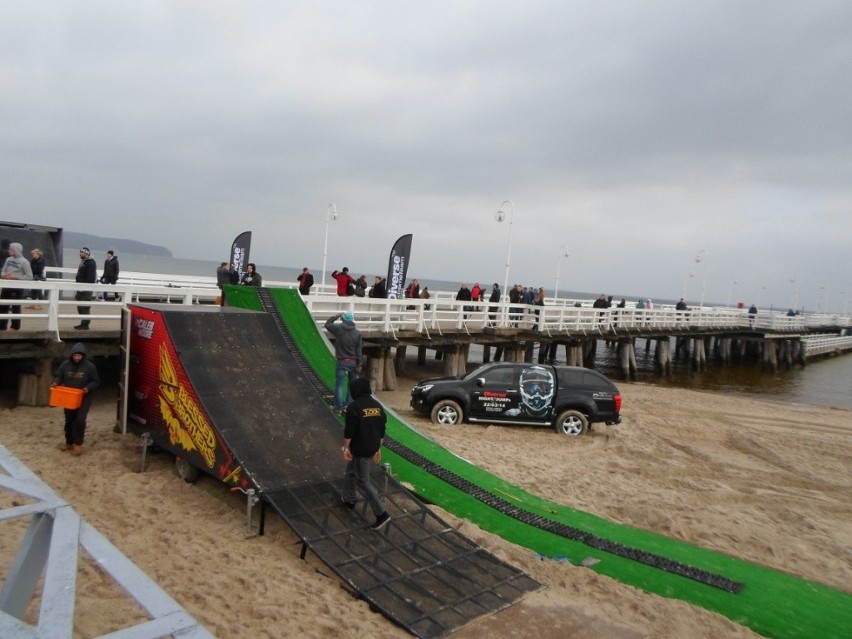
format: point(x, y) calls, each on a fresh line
point(306, 281)
point(37, 266)
point(110, 274)
point(77, 372)
point(252, 277)
point(363, 435)
point(379, 289)
point(87, 272)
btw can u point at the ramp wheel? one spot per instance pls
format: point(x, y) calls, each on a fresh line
point(185, 470)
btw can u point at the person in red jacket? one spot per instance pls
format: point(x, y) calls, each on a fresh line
point(345, 282)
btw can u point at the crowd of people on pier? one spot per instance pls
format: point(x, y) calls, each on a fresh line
point(15, 266)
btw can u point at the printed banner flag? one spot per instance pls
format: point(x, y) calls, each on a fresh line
point(240, 252)
point(398, 267)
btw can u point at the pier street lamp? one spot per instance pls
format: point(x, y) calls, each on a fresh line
point(501, 215)
point(330, 214)
point(563, 252)
point(702, 257)
point(731, 291)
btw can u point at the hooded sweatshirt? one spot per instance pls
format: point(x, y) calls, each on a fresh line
point(347, 339)
point(82, 375)
point(365, 420)
point(16, 266)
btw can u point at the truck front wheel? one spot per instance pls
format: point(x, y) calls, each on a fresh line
point(572, 422)
point(447, 412)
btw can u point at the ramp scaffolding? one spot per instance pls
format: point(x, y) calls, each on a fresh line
point(45, 556)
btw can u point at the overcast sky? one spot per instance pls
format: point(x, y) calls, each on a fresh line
point(638, 135)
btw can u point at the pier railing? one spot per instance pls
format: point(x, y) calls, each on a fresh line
point(442, 313)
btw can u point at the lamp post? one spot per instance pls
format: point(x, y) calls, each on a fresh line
point(686, 278)
point(731, 291)
point(563, 252)
point(759, 295)
point(330, 214)
point(501, 215)
point(702, 257)
point(795, 301)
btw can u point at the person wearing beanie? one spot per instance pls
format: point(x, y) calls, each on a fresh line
point(363, 434)
point(87, 273)
point(348, 353)
point(77, 372)
point(15, 267)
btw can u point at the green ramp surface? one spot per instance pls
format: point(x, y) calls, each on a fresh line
point(768, 601)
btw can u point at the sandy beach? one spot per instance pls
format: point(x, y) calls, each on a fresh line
point(762, 481)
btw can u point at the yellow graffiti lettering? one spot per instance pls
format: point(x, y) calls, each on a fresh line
point(188, 427)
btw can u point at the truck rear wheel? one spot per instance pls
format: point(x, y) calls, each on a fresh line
point(571, 422)
point(447, 413)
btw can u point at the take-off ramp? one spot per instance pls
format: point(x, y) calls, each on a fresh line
point(222, 390)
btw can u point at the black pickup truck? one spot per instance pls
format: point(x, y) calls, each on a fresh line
point(569, 398)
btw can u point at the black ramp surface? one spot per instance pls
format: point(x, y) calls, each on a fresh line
point(418, 571)
point(257, 397)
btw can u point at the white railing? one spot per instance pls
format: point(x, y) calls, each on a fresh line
point(433, 316)
point(60, 303)
point(821, 344)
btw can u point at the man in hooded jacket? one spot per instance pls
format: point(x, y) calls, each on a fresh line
point(362, 441)
point(348, 352)
point(14, 267)
point(77, 372)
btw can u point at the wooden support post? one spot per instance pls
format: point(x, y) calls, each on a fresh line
point(626, 358)
point(699, 356)
point(464, 354)
point(390, 382)
point(400, 359)
point(513, 353)
point(421, 355)
point(34, 388)
point(376, 371)
point(529, 351)
point(724, 352)
point(632, 359)
point(450, 357)
point(663, 356)
point(577, 354)
point(770, 354)
point(590, 348)
point(785, 356)
point(486, 353)
point(800, 355)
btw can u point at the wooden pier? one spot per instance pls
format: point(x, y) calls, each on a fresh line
point(567, 331)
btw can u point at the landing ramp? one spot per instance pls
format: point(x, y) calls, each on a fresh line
point(223, 390)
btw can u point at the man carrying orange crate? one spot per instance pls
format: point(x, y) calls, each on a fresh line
point(79, 373)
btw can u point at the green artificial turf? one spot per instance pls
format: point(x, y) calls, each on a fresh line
point(772, 603)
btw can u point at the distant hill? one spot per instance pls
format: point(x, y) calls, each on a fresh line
point(98, 244)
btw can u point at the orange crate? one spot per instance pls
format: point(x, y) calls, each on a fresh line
point(66, 397)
